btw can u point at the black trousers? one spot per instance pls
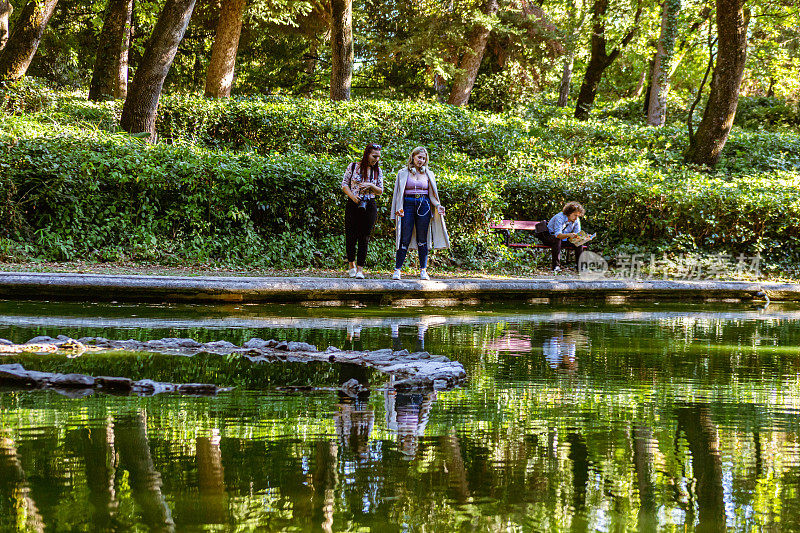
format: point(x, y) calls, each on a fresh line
point(556, 245)
point(358, 225)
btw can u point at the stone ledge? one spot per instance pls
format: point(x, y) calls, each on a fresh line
point(98, 287)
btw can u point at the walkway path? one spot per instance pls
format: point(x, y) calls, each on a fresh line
point(95, 287)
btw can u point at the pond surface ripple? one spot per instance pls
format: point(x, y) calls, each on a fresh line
point(577, 418)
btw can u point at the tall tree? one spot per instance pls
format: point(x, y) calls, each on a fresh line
point(5, 14)
point(110, 76)
point(659, 83)
point(219, 78)
point(575, 21)
point(341, 49)
point(706, 145)
point(24, 41)
point(600, 59)
point(139, 111)
point(471, 60)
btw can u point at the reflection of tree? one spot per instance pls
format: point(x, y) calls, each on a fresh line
point(211, 480)
point(643, 447)
point(454, 466)
point(15, 497)
point(145, 481)
point(701, 435)
point(99, 456)
point(579, 456)
point(312, 501)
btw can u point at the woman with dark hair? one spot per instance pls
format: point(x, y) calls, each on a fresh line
point(362, 182)
point(560, 228)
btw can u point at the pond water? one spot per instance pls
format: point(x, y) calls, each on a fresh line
point(579, 418)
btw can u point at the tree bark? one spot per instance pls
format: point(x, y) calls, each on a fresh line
point(219, 78)
point(21, 46)
point(5, 14)
point(600, 59)
point(640, 85)
point(139, 111)
point(110, 76)
point(471, 60)
point(341, 49)
point(566, 79)
point(712, 133)
point(657, 110)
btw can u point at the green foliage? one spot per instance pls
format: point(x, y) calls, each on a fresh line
point(760, 111)
point(257, 181)
point(27, 95)
point(268, 124)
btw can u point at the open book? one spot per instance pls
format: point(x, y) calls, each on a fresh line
point(582, 238)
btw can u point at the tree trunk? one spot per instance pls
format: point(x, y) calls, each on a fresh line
point(139, 111)
point(5, 14)
point(219, 78)
point(21, 47)
point(640, 85)
point(471, 60)
point(657, 110)
point(599, 59)
point(566, 79)
point(712, 133)
point(646, 105)
point(110, 76)
point(341, 49)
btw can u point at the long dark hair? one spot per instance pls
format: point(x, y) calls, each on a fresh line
point(364, 163)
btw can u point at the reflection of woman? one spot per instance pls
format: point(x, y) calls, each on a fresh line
point(559, 350)
point(417, 212)
point(407, 414)
point(397, 345)
point(362, 182)
point(355, 417)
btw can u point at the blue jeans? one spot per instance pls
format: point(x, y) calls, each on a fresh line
point(416, 213)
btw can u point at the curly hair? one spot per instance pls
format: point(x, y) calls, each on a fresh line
point(571, 207)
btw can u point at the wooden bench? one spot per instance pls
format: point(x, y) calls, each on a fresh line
point(505, 227)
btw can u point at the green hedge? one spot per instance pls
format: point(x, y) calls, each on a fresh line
point(76, 197)
point(284, 124)
point(256, 181)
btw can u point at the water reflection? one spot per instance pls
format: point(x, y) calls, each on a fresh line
point(646, 421)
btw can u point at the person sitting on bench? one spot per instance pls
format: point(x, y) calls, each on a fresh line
point(559, 229)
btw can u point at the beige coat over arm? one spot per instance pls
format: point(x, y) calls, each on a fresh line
point(437, 231)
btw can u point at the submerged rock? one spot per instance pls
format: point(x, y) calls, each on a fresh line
point(409, 370)
point(16, 375)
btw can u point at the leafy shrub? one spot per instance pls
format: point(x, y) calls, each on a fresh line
point(257, 181)
point(268, 124)
point(27, 95)
point(756, 111)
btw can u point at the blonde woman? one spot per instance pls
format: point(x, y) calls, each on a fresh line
point(417, 212)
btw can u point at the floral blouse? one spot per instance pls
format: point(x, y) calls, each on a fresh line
point(353, 179)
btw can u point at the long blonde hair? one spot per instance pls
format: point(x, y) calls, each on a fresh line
point(414, 152)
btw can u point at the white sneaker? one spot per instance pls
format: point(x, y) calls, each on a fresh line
point(557, 269)
point(351, 272)
point(423, 274)
point(359, 275)
point(396, 274)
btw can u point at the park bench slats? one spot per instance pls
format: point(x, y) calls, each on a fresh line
point(505, 227)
